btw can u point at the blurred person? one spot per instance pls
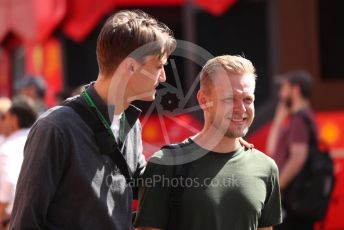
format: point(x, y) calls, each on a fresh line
point(246, 191)
point(5, 104)
point(78, 90)
point(66, 182)
point(289, 145)
point(34, 87)
point(66, 93)
point(62, 95)
point(16, 123)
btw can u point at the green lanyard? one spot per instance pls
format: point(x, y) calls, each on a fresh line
point(91, 103)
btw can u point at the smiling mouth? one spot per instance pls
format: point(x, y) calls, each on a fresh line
point(243, 119)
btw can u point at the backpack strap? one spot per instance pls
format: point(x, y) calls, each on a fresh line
point(313, 139)
point(105, 142)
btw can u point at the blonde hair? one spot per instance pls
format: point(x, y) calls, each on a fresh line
point(232, 64)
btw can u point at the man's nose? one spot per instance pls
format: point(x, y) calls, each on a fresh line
point(162, 76)
point(239, 106)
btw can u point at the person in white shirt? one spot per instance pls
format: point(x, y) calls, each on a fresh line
point(5, 104)
point(15, 126)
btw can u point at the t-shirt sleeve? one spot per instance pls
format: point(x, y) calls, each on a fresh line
point(153, 207)
point(272, 212)
point(299, 130)
point(42, 168)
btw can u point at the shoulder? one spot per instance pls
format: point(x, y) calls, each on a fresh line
point(180, 153)
point(164, 160)
point(304, 118)
point(16, 140)
point(59, 120)
point(261, 159)
point(156, 167)
point(59, 117)
point(58, 114)
point(298, 119)
point(160, 159)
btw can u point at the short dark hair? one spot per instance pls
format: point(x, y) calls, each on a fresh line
point(302, 79)
point(24, 111)
point(126, 31)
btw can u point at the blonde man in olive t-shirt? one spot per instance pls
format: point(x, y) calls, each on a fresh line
point(226, 186)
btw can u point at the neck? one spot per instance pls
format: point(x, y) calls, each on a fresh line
point(299, 105)
point(116, 98)
point(216, 143)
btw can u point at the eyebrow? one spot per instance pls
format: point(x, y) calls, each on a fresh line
point(228, 97)
point(232, 96)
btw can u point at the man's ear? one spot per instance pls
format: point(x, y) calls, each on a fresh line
point(130, 64)
point(202, 99)
point(14, 122)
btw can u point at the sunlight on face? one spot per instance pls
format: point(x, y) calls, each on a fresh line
point(233, 103)
point(147, 77)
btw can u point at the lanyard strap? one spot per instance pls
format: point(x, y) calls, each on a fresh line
point(91, 103)
point(115, 154)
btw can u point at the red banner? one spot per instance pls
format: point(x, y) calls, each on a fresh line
point(215, 7)
point(45, 60)
point(84, 15)
point(34, 20)
point(31, 20)
point(5, 82)
point(4, 19)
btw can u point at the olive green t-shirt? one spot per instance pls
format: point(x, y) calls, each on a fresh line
point(236, 190)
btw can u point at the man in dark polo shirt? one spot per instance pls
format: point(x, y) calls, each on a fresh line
point(66, 181)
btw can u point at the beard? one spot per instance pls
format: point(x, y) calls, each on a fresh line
point(224, 126)
point(288, 102)
point(231, 130)
point(237, 132)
